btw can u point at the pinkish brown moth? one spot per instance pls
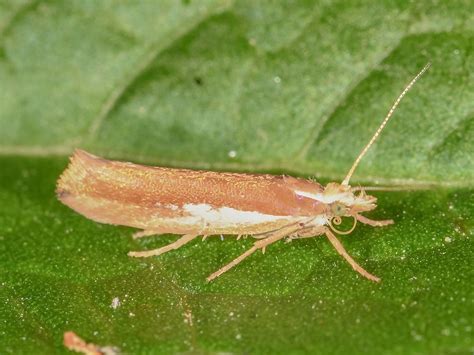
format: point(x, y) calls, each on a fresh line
point(202, 203)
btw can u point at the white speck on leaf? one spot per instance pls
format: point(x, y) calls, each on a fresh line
point(446, 332)
point(416, 336)
point(115, 303)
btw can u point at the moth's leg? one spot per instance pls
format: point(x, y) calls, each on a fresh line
point(308, 232)
point(145, 233)
point(371, 222)
point(175, 245)
point(260, 244)
point(340, 249)
point(231, 264)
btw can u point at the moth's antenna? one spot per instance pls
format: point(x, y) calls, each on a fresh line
point(384, 122)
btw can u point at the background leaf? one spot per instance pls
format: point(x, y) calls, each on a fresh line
point(239, 86)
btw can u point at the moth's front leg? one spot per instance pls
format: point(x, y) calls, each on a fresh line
point(342, 251)
point(371, 222)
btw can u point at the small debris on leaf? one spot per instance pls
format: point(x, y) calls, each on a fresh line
point(73, 342)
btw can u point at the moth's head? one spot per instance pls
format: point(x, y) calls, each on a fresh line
point(342, 200)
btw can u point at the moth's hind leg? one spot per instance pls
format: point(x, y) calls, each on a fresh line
point(340, 249)
point(145, 233)
point(260, 244)
point(371, 222)
point(175, 245)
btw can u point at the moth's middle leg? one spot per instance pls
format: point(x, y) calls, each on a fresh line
point(260, 244)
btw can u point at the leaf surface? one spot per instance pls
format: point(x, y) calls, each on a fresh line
point(241, 86)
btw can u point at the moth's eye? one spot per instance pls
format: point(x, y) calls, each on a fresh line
point(338, 209)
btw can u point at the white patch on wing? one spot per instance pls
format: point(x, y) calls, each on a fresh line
point(318, 197)
point(344, 197)
point(225, 216)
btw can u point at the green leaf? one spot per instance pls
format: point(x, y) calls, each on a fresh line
point(242, 86)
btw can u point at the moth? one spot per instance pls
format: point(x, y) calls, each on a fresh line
point(194, 203)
